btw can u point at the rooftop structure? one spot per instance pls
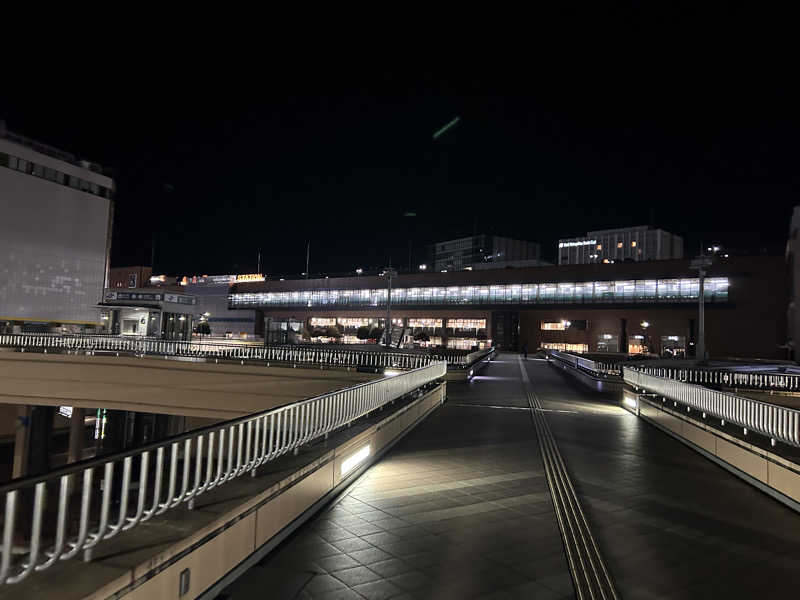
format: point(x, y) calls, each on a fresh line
point(642, 243)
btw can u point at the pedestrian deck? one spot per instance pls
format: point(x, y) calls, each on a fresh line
point(461, 508)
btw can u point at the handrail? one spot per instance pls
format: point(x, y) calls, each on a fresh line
point(729, 377)
point(776, 422)
point(283, 353)
point(160, 476)
point(596, 368)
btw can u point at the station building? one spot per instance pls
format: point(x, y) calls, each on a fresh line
point(629, 307)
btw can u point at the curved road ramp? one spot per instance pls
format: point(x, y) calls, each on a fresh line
point(171, 519)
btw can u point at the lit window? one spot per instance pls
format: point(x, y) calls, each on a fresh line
point(619, 244)
point(633, 244)
point(579, 348)
point(599, 246)
point(553, 325)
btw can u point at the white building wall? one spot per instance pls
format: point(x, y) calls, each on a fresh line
point(53, 243)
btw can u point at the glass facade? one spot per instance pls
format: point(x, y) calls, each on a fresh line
point(632, 291)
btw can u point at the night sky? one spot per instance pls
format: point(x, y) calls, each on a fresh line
point(217, 165)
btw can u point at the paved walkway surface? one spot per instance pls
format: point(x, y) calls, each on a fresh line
point(670, 523)
point(461, 509)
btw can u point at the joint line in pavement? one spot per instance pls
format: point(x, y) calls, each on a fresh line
point(589, 573)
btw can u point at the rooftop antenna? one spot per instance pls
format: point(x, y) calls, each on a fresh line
point(308, 258)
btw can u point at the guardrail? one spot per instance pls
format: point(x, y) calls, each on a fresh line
point(756, 380)
point(596, 368)
point(775, 422)
point(130, 489)
point(285, 353)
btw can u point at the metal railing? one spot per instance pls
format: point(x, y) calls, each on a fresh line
point(771, 420)
point(120, 491)
point(211, 350)
point(596, 368)
point(755, 380)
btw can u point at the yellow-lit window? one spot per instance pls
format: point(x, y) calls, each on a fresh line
point(633, 244)
point(553, 325)
point(466, 323)
point(424, 322)
point(619, 244)
point(579, 348)
point(322, 322)
point(352, 322)
point(599, 246)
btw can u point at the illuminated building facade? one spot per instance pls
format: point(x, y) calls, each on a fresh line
point(621, 307)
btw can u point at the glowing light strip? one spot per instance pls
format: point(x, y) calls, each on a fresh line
point(355, 459)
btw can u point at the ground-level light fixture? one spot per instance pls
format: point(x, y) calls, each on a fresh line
point(352, 461)
point(629, 402)
point(423, 267)
point(359, 271)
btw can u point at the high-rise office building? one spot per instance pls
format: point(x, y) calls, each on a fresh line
point(619, 245)
point(463, 253)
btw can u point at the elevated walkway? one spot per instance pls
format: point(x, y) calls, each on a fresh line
point(462, 508)
point(215, 391)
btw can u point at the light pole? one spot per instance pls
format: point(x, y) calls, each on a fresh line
point(699, 264)
point(387, 332)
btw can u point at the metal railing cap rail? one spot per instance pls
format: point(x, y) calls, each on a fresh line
point(81, 465)
point(746, 412)
point(703, 388)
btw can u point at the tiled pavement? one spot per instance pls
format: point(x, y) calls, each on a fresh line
point(670, 523)
point(459, 509)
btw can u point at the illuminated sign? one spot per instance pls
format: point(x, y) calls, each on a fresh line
point(250, 277)
point(579, 243)
point(65, 411)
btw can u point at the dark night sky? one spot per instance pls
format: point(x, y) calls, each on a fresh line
point(220, 161)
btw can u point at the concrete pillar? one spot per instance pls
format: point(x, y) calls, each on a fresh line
point(39, 439)
point(77, 435)
point(21, 442)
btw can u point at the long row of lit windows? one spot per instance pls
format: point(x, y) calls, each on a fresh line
point(588, 292)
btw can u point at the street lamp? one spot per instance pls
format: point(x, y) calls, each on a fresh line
point(423, 267)
point(699, 264)
point(359, 271)
point(387, 332)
